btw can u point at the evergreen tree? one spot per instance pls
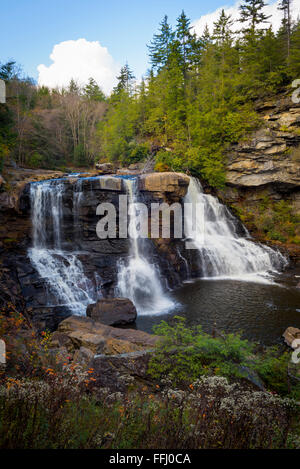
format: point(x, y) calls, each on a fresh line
point(73, 88)
point(294, 64)
point(124, 80)
point(222, 33)
point(252, 13)
point(93, 91)
point(159, 47)
point(285, 6)
point(186, 40)
point(206, 38)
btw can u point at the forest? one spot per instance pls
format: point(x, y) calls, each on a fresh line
point(195, 101)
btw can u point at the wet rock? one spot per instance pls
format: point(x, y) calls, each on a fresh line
point(291, 334)
point(113, 311)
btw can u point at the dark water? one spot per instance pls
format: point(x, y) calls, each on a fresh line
point(262, 312)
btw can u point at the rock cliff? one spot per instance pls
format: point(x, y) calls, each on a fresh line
point(265, 170)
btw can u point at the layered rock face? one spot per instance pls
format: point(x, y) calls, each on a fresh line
point(78, 198)
point(165, 185)
point(169, 188)
point(115, 355)
point(269, 162)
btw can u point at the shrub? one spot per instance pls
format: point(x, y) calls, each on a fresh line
point(36, 160)
point(185, 354)
point(211, 414)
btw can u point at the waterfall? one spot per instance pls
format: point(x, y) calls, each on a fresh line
point(223, 251)
point(138, 279)
point(62, 271)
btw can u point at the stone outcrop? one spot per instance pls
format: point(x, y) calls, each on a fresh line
point(291, 334)
point(112, 311)
point(117, 356)
point(167, 187)
point(84, 331)
point(270, 157)
point(268, 163)
point(104, 168)
point(100, 257)
point(16, 181)
point(165, 184)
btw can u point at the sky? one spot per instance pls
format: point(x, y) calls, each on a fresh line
point(56, 40)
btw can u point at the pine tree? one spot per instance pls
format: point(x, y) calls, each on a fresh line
point(285, 6)
point(159, 47)
point(206, 38)
point(93, 91)
point(73, 88)
point(294, 65)
point(252, 12)
point(124, 80)
point(186, 40)
point(222, 33)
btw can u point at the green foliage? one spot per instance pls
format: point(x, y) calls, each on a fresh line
point(184, 354)
point(276, 221)
point(36, 160)
point(93, 91)
point(138, 152)
point(272, 367)
point(196, 100)
point(79, 155)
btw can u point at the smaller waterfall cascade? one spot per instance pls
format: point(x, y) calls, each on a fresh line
point(62, 271)
point(138, 279)
point(222, 250)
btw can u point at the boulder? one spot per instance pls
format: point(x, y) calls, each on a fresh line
point(93, 342)
point(112, 311)
point(83, 356)
point(58, 339)
point(104, 168)
point(291, 334)
point(77, 328)
point(174, 183)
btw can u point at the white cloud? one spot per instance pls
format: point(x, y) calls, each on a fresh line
point(271, 9)
point(80, 60)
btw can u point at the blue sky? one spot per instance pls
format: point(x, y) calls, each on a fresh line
point(31, 28)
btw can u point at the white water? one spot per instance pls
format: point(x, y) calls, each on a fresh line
point(222, 251)
point(62, 271)
point(138, 279)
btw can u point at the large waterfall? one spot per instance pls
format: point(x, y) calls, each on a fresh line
point(223, 251)
point(62, 271)
point(138, 279)
point(62, 255)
